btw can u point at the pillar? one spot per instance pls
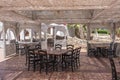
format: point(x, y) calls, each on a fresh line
point(40, 33)
point(113, 32)
point(23, 34)
point(17, 32)
point(88, 32)
point(113, 26)
point(31, 35)
point(88, 36)
point(54, 36)
point(4, 42)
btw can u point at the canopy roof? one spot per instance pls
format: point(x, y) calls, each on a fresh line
point(60, 11)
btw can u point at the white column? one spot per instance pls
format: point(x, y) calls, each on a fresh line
point(88, 32)
point(31, 35)
point(88, 36)
point(54, 36)
point(113, 34)
point(24, 35)
point(4, 42)
point(9, 36)
point(112, 25)
point(40, 33)
point(17, 32)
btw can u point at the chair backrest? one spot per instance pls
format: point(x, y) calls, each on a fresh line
point(58, 46)
point(70, 47)
point(78, 50)
point(30, 53)
point(113, 68)
point(38, 46)
point(42, 55)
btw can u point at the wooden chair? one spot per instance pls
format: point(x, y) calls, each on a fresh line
point(70, 47)
point(112, 51)
point(58, 46)
point(38, 46)
point(68, 60)
point(45, 62)
point(77, 56)
point(115, 75)
point(19, 49)
point(32, 59)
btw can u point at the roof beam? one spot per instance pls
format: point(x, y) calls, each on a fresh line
point(11, 16)
point(107, 9)
point(64, 20)
point(29, 2)
point(51, 8)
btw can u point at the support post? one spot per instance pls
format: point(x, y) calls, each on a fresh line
point(17, 32)
point(88, 37)
point(113, 34)
point(54, 35)
point(40, 33)
point(4, 42)
point(88, 32)
point(31, 35)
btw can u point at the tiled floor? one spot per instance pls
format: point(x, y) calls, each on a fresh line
point(90, 69)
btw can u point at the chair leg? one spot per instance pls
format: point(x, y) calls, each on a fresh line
point(28, 66)
point(62, 66)
point(46, 70)
point(72, 66)
point(34, 66)
point(40, 65)
point(79, 61)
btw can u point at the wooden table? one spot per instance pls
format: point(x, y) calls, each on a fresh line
point(56, 52)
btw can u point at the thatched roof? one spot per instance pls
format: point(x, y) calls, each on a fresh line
point(60, 11)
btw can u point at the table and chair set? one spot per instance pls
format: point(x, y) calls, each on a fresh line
point(111, 52)
point(58, 59)
point(101, 49)
point(52, 59)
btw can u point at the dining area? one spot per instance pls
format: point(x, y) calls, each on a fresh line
point(52, 59)
point(52, 64)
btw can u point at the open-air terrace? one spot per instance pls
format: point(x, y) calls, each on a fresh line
point(59, 39)
point(91, 68)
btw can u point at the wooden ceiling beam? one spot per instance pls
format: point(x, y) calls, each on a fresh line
point(114, 3)
point(11, 16)
point(51, 8)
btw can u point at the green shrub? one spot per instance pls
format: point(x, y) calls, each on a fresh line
point(100, 31)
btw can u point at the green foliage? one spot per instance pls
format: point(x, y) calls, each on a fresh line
point(70, 25)
point(102, 31)
point(78, 28)
point(118, 31)
point(84, 27)
point(74, 25)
